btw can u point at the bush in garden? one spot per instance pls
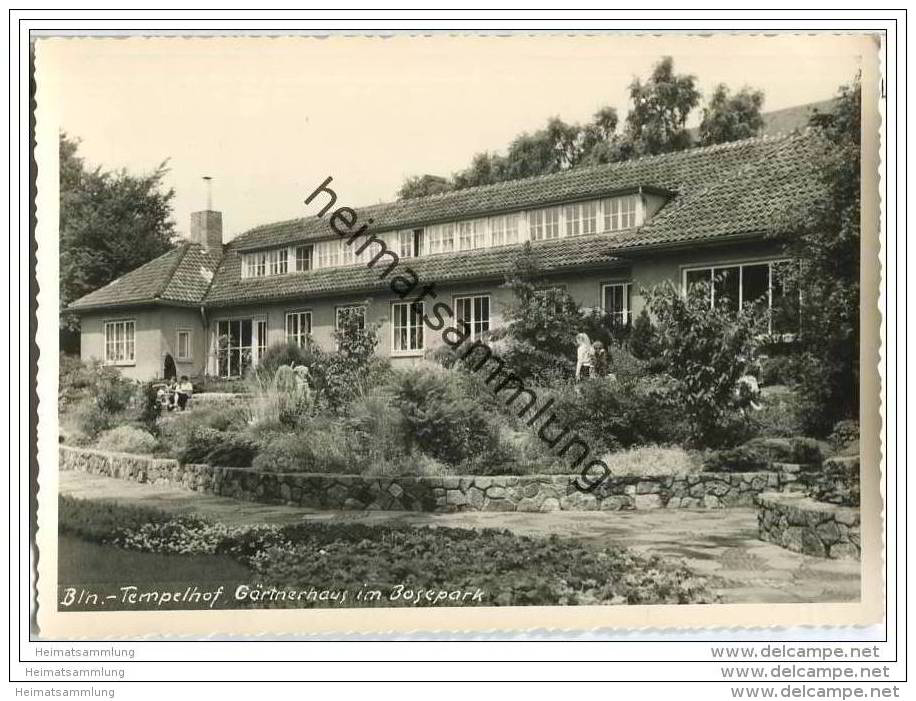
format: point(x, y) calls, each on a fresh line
point(284, 398)
point(279, 354)
point(778, 415)
point(319, 446)
point(643, 340)
point(97, 396)
point(780, 370)
point(651, 461)
point(128, 439)
point(441, 420)
point(844, 439)
point(744, 458)
point(175, 428)
point(212, 447)
point(707, 351)
point(377, 428)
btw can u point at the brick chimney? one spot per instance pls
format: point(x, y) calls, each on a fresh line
point(207, 230)
point(207, 225)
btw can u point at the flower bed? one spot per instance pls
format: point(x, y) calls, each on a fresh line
point(451, 493)
point(496, 568)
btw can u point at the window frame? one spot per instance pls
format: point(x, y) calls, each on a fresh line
point(627, 313)
point(131, 344)
point(299, 314)
point(189, 356)
point(471, 297)
point(421, 325)
point(310, 248)
point(741, 264)
point(252, 348)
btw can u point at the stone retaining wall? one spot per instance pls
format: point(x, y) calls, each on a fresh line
point(837, 482)
point(799, 523)
point(472, 493)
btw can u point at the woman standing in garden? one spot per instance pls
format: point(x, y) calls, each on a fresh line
point(585, 357)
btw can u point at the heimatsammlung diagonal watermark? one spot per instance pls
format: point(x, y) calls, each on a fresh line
point(506, 385)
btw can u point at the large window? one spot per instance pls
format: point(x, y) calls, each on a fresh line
point(769, 284)
point(544, 224)
point(184, 344)
point(298, 328)
point(615, 300)
point(254, 264)
point(504, 230)
point(233, 347)
point(120, 341)
point(407, 327)
point(303, 258)
point(620, 213)
point(353, 311)
point(473, 314)
point(329, 254)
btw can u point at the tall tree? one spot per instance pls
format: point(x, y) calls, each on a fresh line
point(423, 185)
point(110, 223)
point(731, 117)
point(827, 245)
point(661, 105)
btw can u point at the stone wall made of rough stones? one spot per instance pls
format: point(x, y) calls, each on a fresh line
point(472, 493)
point(837, 482)
point(803, 525)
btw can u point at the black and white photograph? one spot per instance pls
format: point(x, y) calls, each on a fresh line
point(401, 325)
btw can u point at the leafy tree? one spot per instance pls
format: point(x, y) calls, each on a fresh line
point(731, 117)
point(485, 169)
point(423, 185)
point(110, 223)
point(656, 122)
point(826, 242)
point(706, 351)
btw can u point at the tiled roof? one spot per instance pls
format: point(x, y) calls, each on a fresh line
point(716, 193)
point(179, 276)
point(483, 264)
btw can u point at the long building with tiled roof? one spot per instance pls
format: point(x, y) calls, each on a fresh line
point(605, 233)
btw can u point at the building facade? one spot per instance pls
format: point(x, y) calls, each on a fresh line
point(606, 234)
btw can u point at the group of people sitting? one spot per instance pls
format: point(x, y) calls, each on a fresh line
point(175, 394)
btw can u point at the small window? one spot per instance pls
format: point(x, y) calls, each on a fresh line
point(407, 247)
point(441, 238)
point(620, 213)
point(298, 328)
point(615, 300)
point(407, 327)
point(504, 229)
point(544, 224)
point(120, 341)
point(278, 261)
point(472, 234)
point(262, 338)
point(184, 344)
point(304, 258)
point(473, 314)
point(354, 311)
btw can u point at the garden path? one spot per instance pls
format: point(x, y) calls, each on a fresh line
point(721, 544)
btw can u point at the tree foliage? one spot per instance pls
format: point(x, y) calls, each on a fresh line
point(825, 238)
point(655, 124)
point(730, 117)
point(110, 224)
point(706, 351)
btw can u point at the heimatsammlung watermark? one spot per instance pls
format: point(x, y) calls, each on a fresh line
point(406, 284)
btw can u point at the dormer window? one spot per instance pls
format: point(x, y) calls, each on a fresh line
point(303, 258)
point(620, 213)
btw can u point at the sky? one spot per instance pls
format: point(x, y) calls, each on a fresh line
point(270, 118)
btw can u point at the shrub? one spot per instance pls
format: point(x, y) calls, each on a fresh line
point(743, 458)
point(651, 461)
point(212, 447)
point(128, 439)
point(779, 370)
point(279, 354)
point(377, 429)
point(96, 395)
point(321, 446)
point(845, 434)
point(706, 351)
point(758, 453)
point(643, 340)
point(441, 420)
point(175, 428)
point(778, 414)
